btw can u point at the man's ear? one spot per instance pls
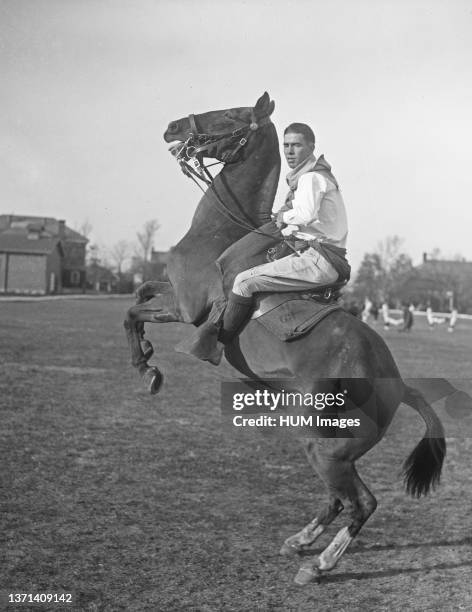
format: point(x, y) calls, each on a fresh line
point(264, 106)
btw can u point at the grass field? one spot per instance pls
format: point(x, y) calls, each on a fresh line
point(136, 503)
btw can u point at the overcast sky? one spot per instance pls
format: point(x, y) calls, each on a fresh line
point(89, 86)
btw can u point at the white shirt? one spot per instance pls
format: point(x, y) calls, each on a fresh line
point(317, 212)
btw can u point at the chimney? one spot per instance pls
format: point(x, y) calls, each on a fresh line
point(425, 257)
point(61, 229)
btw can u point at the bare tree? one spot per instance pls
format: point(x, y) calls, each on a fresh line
point(119, 253)
point(389, 250)
point(146, 239)
point(145, 246)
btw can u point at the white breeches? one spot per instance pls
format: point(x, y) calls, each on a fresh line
point(290, 273)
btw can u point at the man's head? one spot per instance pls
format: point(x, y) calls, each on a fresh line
point(299, 143)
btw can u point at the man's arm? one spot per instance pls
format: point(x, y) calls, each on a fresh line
point(306, 203)
point(279, 216)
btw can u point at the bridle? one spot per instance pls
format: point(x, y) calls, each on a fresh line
point(198, 144)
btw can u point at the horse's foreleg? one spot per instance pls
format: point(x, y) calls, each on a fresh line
point(344, 483)
point(141, 349)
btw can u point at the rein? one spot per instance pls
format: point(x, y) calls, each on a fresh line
point(197, 144)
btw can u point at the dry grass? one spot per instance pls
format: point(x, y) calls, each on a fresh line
point(140, 503)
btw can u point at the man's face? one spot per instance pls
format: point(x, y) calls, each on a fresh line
point(296, 149)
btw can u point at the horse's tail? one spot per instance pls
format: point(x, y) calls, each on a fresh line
point(422, 469)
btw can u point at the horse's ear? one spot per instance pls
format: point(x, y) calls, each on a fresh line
point(263, 106)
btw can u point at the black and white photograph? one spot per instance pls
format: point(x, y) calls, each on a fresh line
point(235, 305)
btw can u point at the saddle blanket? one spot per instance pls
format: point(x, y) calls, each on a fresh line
point(290, 315)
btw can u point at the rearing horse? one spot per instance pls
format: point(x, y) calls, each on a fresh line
point(340, 347)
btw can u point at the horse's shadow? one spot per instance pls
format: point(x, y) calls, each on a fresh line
point(379, 547)
point(388, 573)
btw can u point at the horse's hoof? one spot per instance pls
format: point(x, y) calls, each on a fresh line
point(288, 550)
point(147, 348)
point(306, 575)
point(153, 379)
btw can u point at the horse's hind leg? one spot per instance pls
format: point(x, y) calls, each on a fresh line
point(344, 483)
point(305, 538)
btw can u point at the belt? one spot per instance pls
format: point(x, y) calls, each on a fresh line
point(336, 256)
point(301, 245)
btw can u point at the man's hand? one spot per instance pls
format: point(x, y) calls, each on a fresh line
point(289, 230)
point(279, 221)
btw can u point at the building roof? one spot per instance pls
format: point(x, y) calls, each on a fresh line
point(14, 242)
point(461, 269)
point(70, 234)
point(49, 225)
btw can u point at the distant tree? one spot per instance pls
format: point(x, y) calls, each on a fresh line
point(383, 272)
point(119, 253)
point(370, 278)
point(389, 250)
point(144, 247)
point(435, 254)
point(401, 269)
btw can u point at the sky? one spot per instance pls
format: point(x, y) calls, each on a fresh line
point(88, 87)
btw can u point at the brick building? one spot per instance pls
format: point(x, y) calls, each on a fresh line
point(40, 255)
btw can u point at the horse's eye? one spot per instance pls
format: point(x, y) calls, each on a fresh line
point(229, 114)
point(173, 126)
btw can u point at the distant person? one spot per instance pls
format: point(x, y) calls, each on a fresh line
point(407, 317)
point(374, 311)
point(366, 311)
point(386, 315)
point(432, 320)
point(452, 320)
point(387, 319)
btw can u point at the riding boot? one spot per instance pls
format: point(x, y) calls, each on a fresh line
point(236, 314)
point(203, 343)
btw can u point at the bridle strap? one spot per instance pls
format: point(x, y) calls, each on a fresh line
point(193, 125)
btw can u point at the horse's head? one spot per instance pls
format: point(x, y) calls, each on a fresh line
point(218, 134)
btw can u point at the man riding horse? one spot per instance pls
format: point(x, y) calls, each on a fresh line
point(217, 258)
point(313, 222)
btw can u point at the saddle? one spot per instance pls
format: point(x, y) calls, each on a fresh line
point(290, 315)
